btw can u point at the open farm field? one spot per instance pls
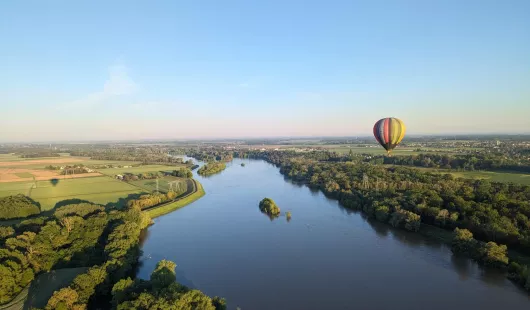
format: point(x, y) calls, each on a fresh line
point(163, 183)
point(40, 161)
point(99, 189)
point(505, 177)
point(13, 161)
point(493, 176)
point(87, 162)
point(8, 175)
point(19, 174)
point(140, 169)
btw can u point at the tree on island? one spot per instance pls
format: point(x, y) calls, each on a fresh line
point(269, 207)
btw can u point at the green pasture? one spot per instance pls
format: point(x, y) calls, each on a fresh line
point(14, 158)
point(24, 175)
point(140, 169)
point(163, 186)
point(493, 176)
point(10, 157)
point(13, 188)
point(17, 162)
point(101, 190)
point(506, 177)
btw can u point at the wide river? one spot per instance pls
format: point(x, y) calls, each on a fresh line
point(326, 257)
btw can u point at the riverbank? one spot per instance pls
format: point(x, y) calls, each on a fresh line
point(195, 194)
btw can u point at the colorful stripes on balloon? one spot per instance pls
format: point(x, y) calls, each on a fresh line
point(389, 132)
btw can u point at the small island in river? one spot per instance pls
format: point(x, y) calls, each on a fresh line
point(211, 168)
point(269, 207)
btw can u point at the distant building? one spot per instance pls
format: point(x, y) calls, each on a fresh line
point(119, 177)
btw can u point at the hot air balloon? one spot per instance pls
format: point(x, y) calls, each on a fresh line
point(389, 132)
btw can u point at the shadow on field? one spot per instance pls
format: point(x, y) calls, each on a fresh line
point(122, 202)
point(54, 181)
point(72, 201)
point(43, 286)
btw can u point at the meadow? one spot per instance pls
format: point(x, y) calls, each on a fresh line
point(505, 177)
point(493, 176)
point(163, 183)
point(101, 189)
point(16, 177)
point(140, 169)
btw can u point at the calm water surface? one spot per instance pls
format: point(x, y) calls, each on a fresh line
point(326, 257)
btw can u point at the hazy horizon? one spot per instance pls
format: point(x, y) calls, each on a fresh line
point(242, 138)
point(131, 70)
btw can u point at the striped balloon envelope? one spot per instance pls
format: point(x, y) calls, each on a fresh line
point(389, 132)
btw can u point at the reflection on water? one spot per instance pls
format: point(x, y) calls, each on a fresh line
point(381, 230)
point(461, 265)
point(326, 257)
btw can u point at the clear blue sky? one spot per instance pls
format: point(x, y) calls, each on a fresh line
point(191, 69)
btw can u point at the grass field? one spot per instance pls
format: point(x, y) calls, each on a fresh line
point(140, 169)
point(13, 161)
point(101, 190)
point(24, 175)
point(163, 186)
point(14, 158)
point(493, 176)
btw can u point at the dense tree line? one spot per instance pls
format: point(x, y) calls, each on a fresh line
point(144, 154)
point(211, 168)
point(161, 292)
point(69, 170)
point(106, 241)
point(183, 173)
point(40, 154)
point(18, 206)
point(492, 211)
point(457, 162)
point(210, 155)
point(52, 167)
point(127, 176)
point(490, 254)
point(150, 200)
point(68, 238)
